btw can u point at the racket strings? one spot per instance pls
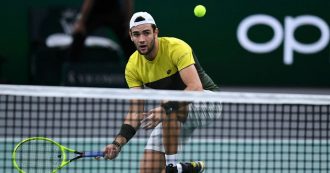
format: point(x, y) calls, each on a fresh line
point(38, 156)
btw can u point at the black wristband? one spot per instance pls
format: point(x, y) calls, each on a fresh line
point(127, 131)
point(170, 106)
point(117, 144)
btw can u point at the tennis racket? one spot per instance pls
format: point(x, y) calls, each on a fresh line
point(40, 154)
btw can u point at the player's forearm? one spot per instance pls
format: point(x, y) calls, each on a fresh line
point(197, 86)
point(125, 134)
point(131, 122)
point(128, 8)
point(128, 129)
point(85, 10)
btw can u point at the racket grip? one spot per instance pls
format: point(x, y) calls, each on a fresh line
point(94, 154)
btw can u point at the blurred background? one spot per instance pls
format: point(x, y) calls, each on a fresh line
point(244, 45)
point(240, 43)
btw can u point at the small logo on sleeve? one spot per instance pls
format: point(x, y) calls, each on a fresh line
point(169, 71)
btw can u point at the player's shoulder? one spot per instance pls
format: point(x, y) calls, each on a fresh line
point(173, 42)
point(134, 56)
point(133, 59)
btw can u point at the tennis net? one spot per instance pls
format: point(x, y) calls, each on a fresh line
point(252, 132)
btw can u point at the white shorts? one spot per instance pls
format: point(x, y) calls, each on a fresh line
point(199, 115)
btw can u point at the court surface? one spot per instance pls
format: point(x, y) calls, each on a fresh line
point(222, 156)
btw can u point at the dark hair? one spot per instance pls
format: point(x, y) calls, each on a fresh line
point(152, 25)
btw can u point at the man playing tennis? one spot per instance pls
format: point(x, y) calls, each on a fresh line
point(163, 63)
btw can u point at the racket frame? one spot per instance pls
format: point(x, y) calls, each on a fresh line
point(62, 148)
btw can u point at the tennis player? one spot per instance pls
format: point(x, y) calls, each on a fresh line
point(163, 63)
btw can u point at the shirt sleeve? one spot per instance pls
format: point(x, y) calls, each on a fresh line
point(131, 78)
point(185, 61)
point(183, 56)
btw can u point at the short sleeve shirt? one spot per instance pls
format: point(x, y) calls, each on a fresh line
point(162, 72)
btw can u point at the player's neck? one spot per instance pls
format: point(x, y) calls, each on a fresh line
point(153, 53)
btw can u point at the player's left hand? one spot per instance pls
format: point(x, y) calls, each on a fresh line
point(153, 118)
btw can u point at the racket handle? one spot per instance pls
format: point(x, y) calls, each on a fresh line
point(94, 154)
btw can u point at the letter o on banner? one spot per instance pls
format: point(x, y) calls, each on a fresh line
point(259, 19)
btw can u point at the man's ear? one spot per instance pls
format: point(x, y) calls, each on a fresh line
point(130, 35)
point(156, 32)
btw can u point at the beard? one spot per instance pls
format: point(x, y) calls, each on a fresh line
point(149, 48)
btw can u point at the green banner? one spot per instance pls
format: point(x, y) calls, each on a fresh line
point(238, 42)
point(265, 43)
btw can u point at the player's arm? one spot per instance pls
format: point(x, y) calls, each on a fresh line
point(86, 9)
point(192, 81)
point(178, 110)
point(79, 25)
point(128, 8)
point(128, 128)
point(131, 122)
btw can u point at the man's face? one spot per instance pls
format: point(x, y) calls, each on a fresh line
point(144, 37)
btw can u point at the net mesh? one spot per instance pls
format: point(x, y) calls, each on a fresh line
point(232, 132)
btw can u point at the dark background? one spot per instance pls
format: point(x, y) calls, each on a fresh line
point(213, 38)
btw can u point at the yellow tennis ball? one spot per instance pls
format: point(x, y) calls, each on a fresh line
point(199, 11)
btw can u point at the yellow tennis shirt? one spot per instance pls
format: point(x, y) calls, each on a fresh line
point(162, 72)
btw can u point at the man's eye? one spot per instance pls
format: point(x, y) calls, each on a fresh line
point(146, 33)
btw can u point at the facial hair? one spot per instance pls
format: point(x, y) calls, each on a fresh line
point(149, 50)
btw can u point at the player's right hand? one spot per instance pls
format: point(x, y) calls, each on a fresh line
point(111, 151)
